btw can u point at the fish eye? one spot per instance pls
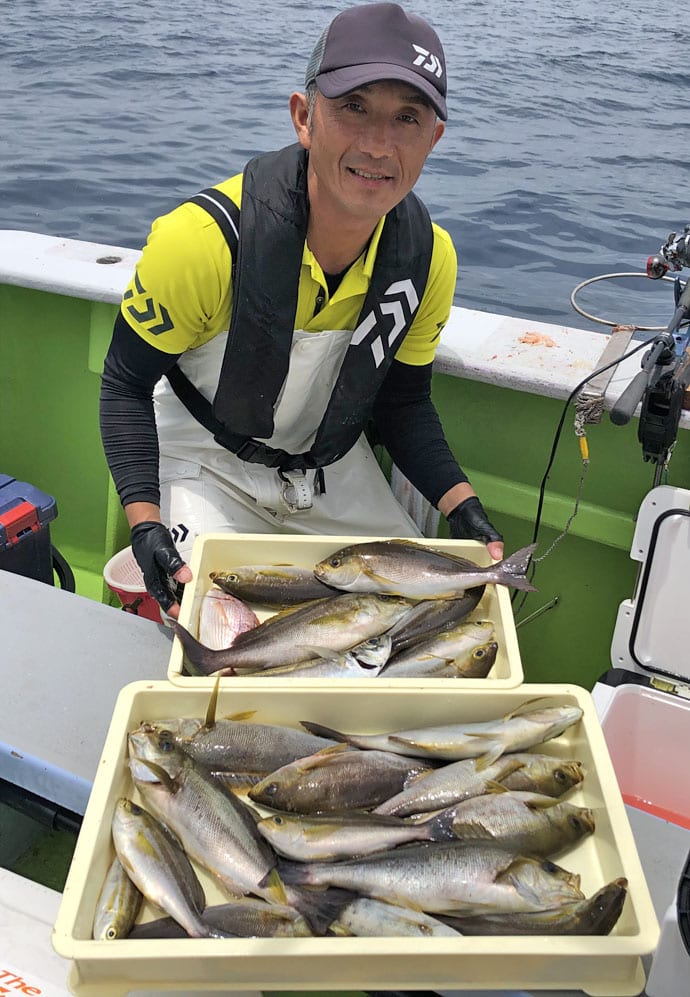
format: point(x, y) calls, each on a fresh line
point(166, 743)
point(559, 775)
point(135, 808)
point(548, 866)
point(271, 789)
point(111, 933)
point(575, 822)
point(232, 577)
point(278, 821)
point(334, 562)
point(480, 652)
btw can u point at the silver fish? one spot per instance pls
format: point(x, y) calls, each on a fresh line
point(157, 864)
point(237, 743)
point(451, 649)
point(415, 571)
point(215, 828)
point(222, 618)
point(334, 780)
point(596, 915)
point(484, 740)
point(117, 905)
point(527, 823)
point(275, 585)
point(324, 665)
point(442, 787)
point(338, 623)
point(330, 837)
point(368, 918)
point(446, 877)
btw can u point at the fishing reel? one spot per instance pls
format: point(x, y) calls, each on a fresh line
point(662, 382)
point(673, 255)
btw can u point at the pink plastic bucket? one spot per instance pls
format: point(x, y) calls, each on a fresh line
point(123, 577)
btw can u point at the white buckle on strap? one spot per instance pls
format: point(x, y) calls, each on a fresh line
point(295, 491)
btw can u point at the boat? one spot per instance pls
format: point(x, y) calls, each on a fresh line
point(533, 434)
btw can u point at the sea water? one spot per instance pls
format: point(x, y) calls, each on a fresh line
point(565, 154)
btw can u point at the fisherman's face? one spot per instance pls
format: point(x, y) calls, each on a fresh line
point(367, 148)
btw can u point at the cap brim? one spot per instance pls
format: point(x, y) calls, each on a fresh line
point(340, 81)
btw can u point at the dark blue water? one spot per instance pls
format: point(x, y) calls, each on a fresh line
point(565, 154)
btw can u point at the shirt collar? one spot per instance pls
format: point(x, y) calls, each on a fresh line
point(358, 276)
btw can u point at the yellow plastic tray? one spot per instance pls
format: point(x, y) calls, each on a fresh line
point(609, 965)
point(222, 551)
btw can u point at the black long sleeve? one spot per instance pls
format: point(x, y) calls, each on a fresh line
point(409, 427)
point(128, 426)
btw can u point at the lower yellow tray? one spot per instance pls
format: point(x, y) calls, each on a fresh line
point(608, 965)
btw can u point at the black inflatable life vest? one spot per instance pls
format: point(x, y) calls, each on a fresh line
point(266, 240)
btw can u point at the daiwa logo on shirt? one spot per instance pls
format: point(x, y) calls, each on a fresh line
point(433, 65)
point(401, 307)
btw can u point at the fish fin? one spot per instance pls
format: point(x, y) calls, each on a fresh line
point(495, 787)
point(340, 930)
point(489, 756)
point(320, 907)
point(327, 653)
point(525, 706)
point(161, 775)
point(199, 657)
point(244, 715)
point(472, 830)
point(273, 888)
point(513, 568)
point(315, 760)
point(210, 720)
point(321, 731)
point(542, 802)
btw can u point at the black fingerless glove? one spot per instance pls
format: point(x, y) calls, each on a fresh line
point(468, 521)
point(158, 559)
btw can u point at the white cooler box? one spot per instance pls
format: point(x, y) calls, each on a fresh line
point(644, 707)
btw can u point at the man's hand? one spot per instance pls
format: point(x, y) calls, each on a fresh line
point(468, 521)
point(164, 570)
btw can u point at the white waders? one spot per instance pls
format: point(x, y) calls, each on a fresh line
point(207, 489)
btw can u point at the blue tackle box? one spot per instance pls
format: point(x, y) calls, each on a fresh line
point(25, 515)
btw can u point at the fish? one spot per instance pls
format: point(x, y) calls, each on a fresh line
point(335, 779)
point(339, 623)
point(432, 616)
point(245, 918)
point(446, 877)
point(368, 918)
point(547, 774)
point(451, 649)
point(324, 664)
point(238, 744)
point(441, 788)
point(157, 864)
point(222, 617)
point(484, 740)
point(527, 823)
point(274, 585)
point(215, 827)
point(331, 837)
point(117, 905)
point(415, 571)
point(596, 915)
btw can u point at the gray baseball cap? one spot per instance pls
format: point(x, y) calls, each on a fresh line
point(379, 41)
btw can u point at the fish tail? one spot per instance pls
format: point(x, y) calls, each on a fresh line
point(320, 908)
point(511, 570)
point(440, 826)
point(273, 888)
point(201, 658)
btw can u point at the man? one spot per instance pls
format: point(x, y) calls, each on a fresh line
point(335, 287)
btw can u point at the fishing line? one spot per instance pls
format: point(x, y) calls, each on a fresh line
point(559, 429)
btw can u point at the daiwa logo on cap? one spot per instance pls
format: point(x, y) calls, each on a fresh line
point(433, 65)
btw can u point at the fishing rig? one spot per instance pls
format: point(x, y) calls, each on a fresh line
point(661, 384)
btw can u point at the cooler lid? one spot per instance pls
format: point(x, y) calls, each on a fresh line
point(652, 633)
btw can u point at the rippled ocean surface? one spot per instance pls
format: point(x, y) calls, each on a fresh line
point(565, 156)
